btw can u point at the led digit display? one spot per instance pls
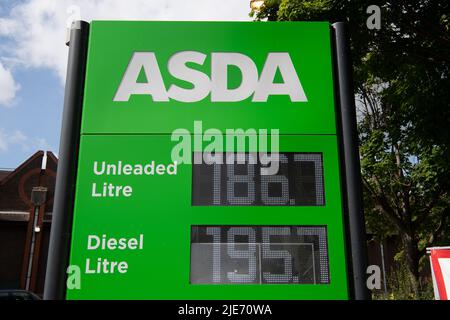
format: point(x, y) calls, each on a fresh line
point(239, 180)
point(259, 255)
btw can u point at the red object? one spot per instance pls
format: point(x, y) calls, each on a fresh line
point(438, 273)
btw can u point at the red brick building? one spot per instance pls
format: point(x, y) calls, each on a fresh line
point(26, 204)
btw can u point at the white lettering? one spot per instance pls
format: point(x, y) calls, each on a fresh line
point(261, 86)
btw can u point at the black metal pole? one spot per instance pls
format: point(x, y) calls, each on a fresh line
point(356, 244)
point(60, 236)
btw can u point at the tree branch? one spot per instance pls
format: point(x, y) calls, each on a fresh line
point(383, 204)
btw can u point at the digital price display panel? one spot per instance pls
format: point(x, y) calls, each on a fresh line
point(259, 255)
point(136, 216)
point(237, 180)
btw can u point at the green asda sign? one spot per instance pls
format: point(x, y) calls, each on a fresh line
point(207, 160)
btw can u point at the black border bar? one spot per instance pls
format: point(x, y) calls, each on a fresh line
point(350, 166)
point(61, 230)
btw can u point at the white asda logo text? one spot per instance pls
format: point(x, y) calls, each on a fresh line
point(260, 85)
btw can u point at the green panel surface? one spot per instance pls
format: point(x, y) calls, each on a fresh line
point(160, 208)
point(112, 45)
point(139, 131)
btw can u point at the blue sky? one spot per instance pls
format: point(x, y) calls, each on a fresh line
point(33, 121)
point(33, 59)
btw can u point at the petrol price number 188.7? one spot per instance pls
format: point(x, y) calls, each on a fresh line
point(298, 182)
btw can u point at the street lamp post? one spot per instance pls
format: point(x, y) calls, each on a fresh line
point(34, 237)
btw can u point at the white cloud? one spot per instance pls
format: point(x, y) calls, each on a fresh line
point(8, 87)
point(41, 144)
point(38, 27)
point(17, 140)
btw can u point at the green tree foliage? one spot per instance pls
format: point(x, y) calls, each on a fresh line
point(402, 84)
